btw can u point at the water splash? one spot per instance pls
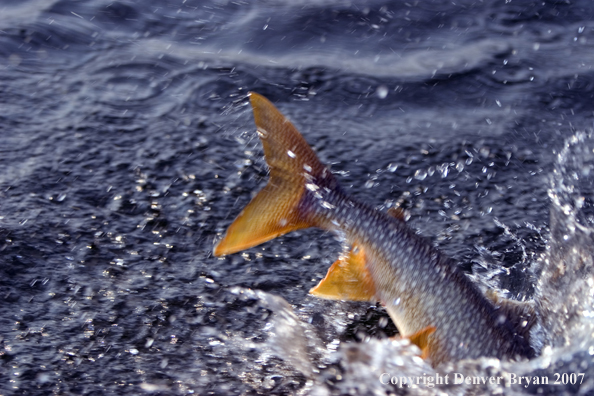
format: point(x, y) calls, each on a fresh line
point(564, 299)
point(565, 295)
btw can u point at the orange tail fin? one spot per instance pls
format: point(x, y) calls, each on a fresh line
point(280, 207)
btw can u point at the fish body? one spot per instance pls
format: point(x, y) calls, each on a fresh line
point(429, 299)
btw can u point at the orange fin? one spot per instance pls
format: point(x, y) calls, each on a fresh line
point(277, 209)
point(397, 213)
point(347, 279)
point(421, 339)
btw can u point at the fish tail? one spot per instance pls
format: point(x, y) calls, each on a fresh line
point(285, 203)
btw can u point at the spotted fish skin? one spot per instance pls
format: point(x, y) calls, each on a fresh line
point(424, 292)
point(420, 287)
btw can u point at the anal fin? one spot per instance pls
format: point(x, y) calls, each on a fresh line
point(421, 339)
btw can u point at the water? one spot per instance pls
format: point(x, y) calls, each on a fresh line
point(128, 147)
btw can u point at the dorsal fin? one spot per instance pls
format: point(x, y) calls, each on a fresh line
point(397, 213)
point(347, 279)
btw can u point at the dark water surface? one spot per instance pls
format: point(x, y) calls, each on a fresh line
point(127, 148)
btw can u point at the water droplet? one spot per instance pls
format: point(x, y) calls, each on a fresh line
point(392, 167)
point(164, 363)
point(361, 336)
point(334, 344)
point(291, 154)
point(369, 184)
point(240, 164)
point(383, 322)
point(382, 92)
point(421, 174)
point(311, 187)
point(444, 169)
point(14, 60)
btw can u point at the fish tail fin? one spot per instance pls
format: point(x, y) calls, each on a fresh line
point(284, 204)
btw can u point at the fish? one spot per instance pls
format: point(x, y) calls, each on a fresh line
point(429, 299)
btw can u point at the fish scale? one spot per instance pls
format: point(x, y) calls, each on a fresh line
point(428, 297)
point(430, 290)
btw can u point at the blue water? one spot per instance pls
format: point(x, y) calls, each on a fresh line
point(127, 147)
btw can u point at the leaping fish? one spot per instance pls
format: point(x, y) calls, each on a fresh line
point(427, 296)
